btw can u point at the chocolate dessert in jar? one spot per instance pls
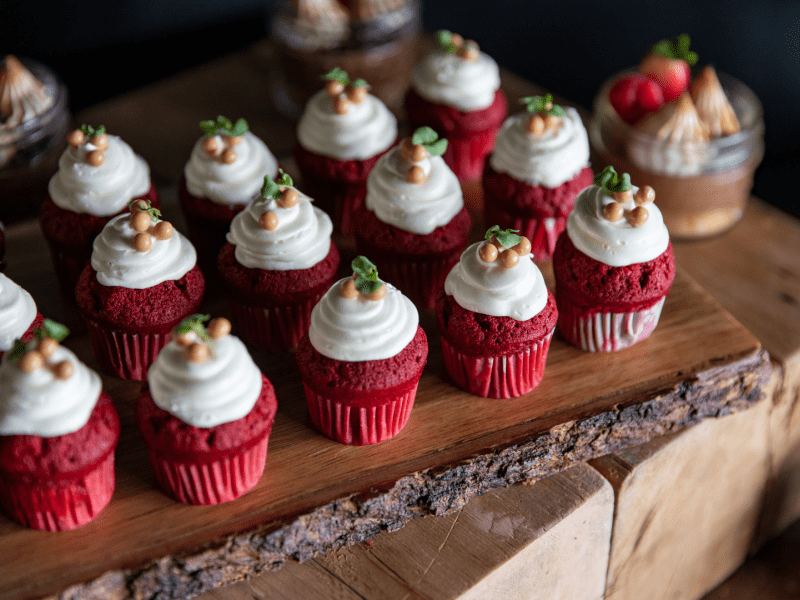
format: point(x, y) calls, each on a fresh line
point(698, 141)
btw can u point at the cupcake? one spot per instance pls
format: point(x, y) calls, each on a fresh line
point(496, 318)
point(98, 176)
point(223, 175)
point(362, 359)
point(18, 315)
point(206, 414)
point(456, 90)
point(613, 265)
point(58, 432)
point(539, 164)
point(341, 135)
point(142, 281)
point(278, 262)
point(414, 224)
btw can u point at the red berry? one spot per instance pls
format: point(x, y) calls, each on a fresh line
point(623, 97)
point(672, 74)
point(649, 96)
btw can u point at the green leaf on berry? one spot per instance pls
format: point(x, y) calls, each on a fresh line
point(90, 131)
point(538, 104)
point(194, 323)
point(271, 190)
point(223, 126)
point(137, 200)
point(676, 49)
point(366, 275)
point(51, 329)
point(611, 182)
point(18, 350)
point(284, 179)
point(239, 128)
point(507, 237)
point(154, 213)
point(429, 139)
point(445, 40)
point(359, 83)
point(337, 74)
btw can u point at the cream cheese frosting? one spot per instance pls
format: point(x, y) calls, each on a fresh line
point(415, 207)
point(446, 78)
point(301, 240)
point(491, 289)
point(358, 329)
point(236, 183)
point(222, 389)
point(39, 404)
point(99, 191)
point(367, 129)
point(548, 160)
point(616, 244)
point(118, 264)
point(17, 312)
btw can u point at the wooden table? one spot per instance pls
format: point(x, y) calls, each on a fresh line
point(315, 494)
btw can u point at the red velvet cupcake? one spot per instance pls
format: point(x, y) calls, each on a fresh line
point(456, 91)
point(206, 415)
point(414, 224)
point(18, 315)
point(539, 164)
point(223, 175)
point(613, 265)
point(98, 176)
point(341, 135)
point(362, 359)
point(142, 281)
point(496, 318)
point(57, 461)
point(277, 264)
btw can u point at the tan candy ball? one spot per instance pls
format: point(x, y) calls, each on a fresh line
point(142, 242)
point(509, 259)
point(183, 339)
point(644, 195)
point(76, 138)
point(378, 294)
point(232, 140)
point(341, 106)
point(198, 352)
point(163, 230)
point(228, 156)
point(95, 158)
point(415, 174)
point(138, 205)
point(99, 141)
point(613, 211)
point(623, 197)
point(535, 125)
point(469, 53)
point(219, 328)
point(210, 145)
point(357, 94)
point(551, 121)
point(523, 247)
point(488, 252)
point(638, 216)
point(456, 39)
point(30, 361)
point(268, 220)
point(289, 198)
point(334, 88)
point(64, 370)
point(140, 221)
point(419, 153)
point(46, 347)
point(349, 289)
point(405, 149)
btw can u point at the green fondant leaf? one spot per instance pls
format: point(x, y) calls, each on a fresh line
point(239, 128)
point(508, 238)
point(18, 350)
point(437, 148)
point(337, 74)
point(284, 179)
point(51, 329)
point(270, 189)
point(194, 323)
point(611, 182)
point(424, 135)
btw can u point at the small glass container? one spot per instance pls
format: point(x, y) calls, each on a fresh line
point(701, 187)
point(29, 153)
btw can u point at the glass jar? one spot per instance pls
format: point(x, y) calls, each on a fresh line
point(29, 153)
point(701, 187)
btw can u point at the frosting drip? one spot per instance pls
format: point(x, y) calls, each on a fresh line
point(445, 78)
point(301, 240)
point(235, 183)
point(118, 264)
point(550, 159)
point(367, 129)
point(357, 329)
point(491, 289)
point(415, 207)
point(17, 312)
point(616, 244)
point(99, 191)
point(222, 389)
point(39, 404)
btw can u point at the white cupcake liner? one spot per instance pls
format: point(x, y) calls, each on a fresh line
point(606, 331)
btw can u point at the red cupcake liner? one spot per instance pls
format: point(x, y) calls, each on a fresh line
point(124, 354)
point(542, 232)
point(421, 279)
point(606, 331)
point(466, 155)
point(339, 199)
point(504, 376)
point(277, 327)
point(211, 482)
point(59, 504)
point(348, 423)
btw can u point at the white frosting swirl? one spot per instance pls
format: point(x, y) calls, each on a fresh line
point(222, 389)
point(118, 264)
point(550, 159)
point(39, 404)
point(616, 244)
point(235, 183)
point(415, 207)
point(99, 191)
point(367, 128)
point(445, 78)
point(357, 329)
point(301, 240)
point(17, 312)
point(491, 289)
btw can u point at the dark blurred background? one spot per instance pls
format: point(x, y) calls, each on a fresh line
point(102, 49)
